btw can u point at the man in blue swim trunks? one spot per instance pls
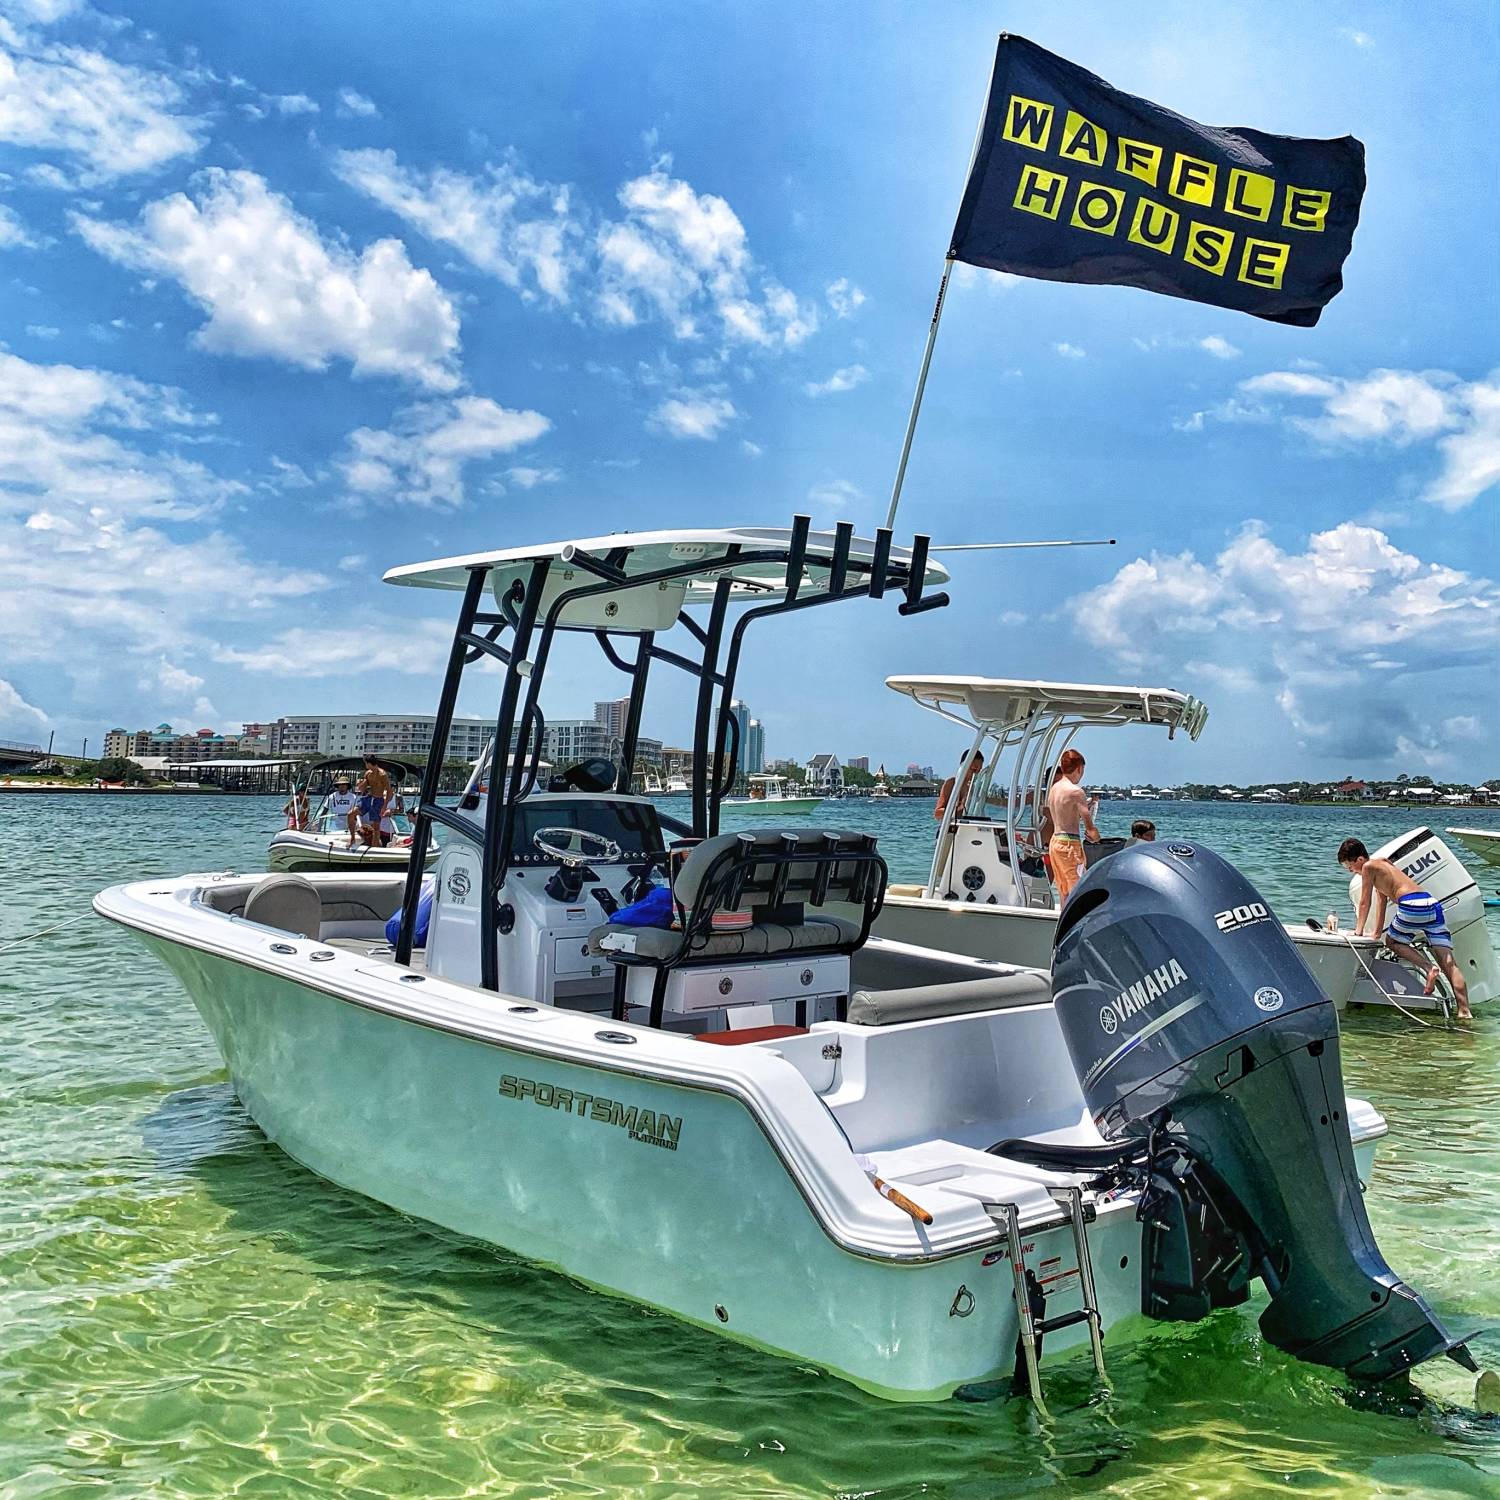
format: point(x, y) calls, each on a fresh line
point(1416, 914)
point(374, 790)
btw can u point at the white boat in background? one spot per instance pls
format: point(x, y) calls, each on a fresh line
point(325, 843)
point(769, 796)
point(900, 1165)
point(1485, 842)
point(978, 900)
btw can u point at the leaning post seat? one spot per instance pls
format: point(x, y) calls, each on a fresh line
point(785, 879)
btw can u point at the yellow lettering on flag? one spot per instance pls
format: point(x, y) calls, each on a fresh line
point(1137, 158)
point(1155, 226)
point(1306, 208)
point(1250, 194)
point(1082, 140)
point(1098, 207)
point(1262, 263)
point(1028, 122)
point(1192, 179)
point(1208, 247)
point(1040, 191)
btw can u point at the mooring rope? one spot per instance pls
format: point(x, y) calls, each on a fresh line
point(56, 927)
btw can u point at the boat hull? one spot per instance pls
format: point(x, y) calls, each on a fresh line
point(1023, 935)
point(784, 807)
point(1484, 842)
point(424, 1121)
point(294, 853)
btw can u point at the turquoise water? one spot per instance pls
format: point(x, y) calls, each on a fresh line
point(185, 1311)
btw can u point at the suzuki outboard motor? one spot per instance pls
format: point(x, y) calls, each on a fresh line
point(1203, 1042)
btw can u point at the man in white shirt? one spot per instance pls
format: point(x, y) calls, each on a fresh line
point(343, 807)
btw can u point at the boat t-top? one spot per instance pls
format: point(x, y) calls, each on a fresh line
point(988, 893)
point(769, 796)
point(325, 843)
point(905, 1166)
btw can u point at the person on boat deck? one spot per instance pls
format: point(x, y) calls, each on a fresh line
point(296, 811)
point(1143, 831)
point(969, 771)
point(1072, 820)
point(1417, 914)
point(394, 808)
point(374, 788)
point(343, 806)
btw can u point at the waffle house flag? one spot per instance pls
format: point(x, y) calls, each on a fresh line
point(1075, 181)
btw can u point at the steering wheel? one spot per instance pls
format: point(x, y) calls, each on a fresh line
point(574, 847)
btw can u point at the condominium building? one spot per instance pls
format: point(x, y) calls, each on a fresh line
point(403, 736)
point(612, 715)
point(754, 758)
point(198, 745)
point(568, 741)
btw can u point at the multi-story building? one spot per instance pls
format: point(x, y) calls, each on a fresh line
point(402, 736)
point(612, 715)
point(755, 749)
point(825, 774)
point(200, 745)
point(568, 741)
point(858, 762)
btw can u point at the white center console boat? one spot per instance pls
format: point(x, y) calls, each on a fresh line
point(912, 1168)
point(980, 900)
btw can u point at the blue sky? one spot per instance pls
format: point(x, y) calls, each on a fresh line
point(292, 293)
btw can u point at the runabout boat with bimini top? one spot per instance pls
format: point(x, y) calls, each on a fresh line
point(326, 843)
point(724, 1098)
point(979, 900)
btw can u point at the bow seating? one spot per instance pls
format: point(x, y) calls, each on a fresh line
point(810, 898)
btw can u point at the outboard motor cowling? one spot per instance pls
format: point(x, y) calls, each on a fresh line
point(1198, 1031)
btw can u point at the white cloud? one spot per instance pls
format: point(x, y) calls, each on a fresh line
point(293, 104)
point(1317, 631)
point(356, 106)
point(528, 478)
point(1361, 39)
point(1463, 727)
point(839, 496)
point(176, 683)
point(841, 380)
point(694, 415)
point(13, 708)
point(968, 276)
point(749, 449)
point(504, 222)
point(1220, 348)
point(42, 331)
point(420, 460)
point(845, 298)
point(684, 256)
point(88, 459)
point(111, 120)
point(353, 562)
point(273, 286)
point(1070, 351)
point(1401, 408)
point(371, 643)
point(13, 235)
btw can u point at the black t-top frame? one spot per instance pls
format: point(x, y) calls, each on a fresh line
point(519, 723)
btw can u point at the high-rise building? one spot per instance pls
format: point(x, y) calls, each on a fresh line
point(612, 715)
point(858, 762)
point(755, 748)
point(739, 711)
point(404, 736)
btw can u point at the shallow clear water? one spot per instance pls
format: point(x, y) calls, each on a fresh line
point(185, 1311)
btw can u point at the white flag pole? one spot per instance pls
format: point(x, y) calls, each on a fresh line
point(937, 317)
point(916, 400)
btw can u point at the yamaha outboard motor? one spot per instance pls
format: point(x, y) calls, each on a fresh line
point(1209, 1057)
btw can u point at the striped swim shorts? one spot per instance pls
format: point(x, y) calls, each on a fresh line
point(1419, 915)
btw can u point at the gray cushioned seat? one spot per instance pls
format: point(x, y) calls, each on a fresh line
point(765, 940)
point(287, 902)
point(887, 1007)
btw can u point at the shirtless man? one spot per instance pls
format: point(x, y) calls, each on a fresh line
point(1069, 808)
point(374, 788)
point(1416, 914)
point(951, 787)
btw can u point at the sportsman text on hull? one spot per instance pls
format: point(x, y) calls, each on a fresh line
point(1075, 180)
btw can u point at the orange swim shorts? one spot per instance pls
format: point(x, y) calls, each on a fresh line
point(1068, 863)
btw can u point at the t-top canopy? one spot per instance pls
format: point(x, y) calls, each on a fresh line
point(761, 578)
point(998, 703)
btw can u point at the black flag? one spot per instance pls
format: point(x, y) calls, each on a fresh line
point(1075, 181)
